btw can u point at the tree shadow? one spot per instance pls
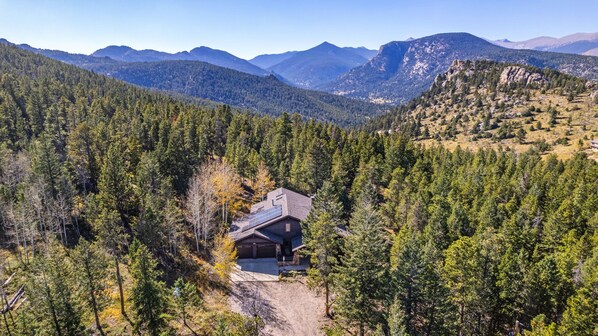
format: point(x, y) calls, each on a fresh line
point(254, 303)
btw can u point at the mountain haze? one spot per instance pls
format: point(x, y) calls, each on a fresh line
point(315, 67)
point(268, 60)
point(580, 43)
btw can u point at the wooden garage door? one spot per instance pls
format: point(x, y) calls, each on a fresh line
point(266, 251)
point(244, 251)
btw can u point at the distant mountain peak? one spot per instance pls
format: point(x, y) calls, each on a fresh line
point(200, 49)
point(319, 65)
point(578, 43)
point(325, 46)
point(112, 51)
point(202, 54)
point(326, 43)
point(118, 47)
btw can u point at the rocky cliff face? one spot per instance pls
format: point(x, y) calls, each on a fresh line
point(461, 72)
point(403, 70)
point(517, 74)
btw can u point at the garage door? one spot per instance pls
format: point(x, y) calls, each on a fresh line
point(266, 251)
point(244, 251)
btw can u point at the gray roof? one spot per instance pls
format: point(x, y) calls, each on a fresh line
point(279, 204)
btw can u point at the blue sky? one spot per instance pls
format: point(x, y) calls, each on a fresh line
point(250, 27)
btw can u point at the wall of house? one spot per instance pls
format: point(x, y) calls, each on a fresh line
point(279, 228)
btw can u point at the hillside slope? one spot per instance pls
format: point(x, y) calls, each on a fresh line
point(266, 95)
point(487, 104)
point(403, 70)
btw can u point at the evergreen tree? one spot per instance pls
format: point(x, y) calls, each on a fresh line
point(54, 303)
point(83, 153)
point(112, 237)
point(149, 298)
point(91, 269)
point(321, 238)
point(581, 315)
point(185, 300)
point(396, 319)
point(114, 182)
point(363, 274)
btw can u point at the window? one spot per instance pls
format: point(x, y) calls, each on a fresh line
point(288, 227)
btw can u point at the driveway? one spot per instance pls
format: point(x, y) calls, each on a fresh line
point(248, 270)
point(287, 307)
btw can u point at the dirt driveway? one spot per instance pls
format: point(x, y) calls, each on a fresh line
point(287, 307)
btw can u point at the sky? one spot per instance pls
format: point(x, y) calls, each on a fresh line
point(248, 28)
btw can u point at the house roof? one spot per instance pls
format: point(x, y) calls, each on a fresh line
point(279, 204)
point(260, 234)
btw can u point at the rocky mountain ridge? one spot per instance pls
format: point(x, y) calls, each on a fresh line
point(404, 69)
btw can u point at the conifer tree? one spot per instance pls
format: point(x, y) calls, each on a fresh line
point(91, 270)
point(82, 152)
point(114, 181)
point(396, 318)
point(46, 163)
point(186, 300)
point(321, 238)
point(49, 291)
point(112, 237)
point(362, 276)
point(148, 295)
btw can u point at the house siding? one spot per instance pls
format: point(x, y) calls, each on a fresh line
point(279, 228)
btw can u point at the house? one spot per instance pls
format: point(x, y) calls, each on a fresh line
point(273, 227)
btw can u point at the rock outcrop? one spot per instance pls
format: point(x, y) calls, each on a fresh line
point(518, 74)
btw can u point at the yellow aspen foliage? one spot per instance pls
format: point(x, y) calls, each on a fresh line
point(225, 256)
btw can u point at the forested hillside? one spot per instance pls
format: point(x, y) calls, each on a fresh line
point(98, 182)
point(488, 104)
point(264, 95)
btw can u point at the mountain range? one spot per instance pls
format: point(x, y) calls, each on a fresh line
point(266, 95)
point(403, 69)
point(580, 43)
point(315, 67)
point(202, 54)
point(397, 72)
